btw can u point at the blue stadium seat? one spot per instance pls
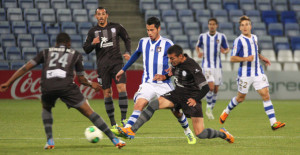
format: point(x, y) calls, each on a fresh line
point(185, 16)
point(280, 5)
point(63, 15)
point(58, 4)
point(146, 5)
point(4, 27)
point(202, 16)
point(92, 56)
point(90, 4)
point(47, 16)
point(163, 29)
point(163, 4)
point(4, 65)
point(80, 15)
point(295, 43)
point(230, 4)
point(288, 17)
point(9, 3)
point(2, 14)
point(150, 13)
point(214, 4)
point(26, 4)
point(35, 27)
point(275, 29)
point(85, 56)
point(237, 30)
point(230, 39)
point(294, 5)
point(180, 4)
point(197, 5)
point(191, 28)
point(234, 15)
point(204, 27)
point(15, 65)
point(42, 4)
point(52, 38)
point(31, 14)
point(92, 18)
point(259, 28)
point(263, 5)
point(281, 43)
point(68, 27)
point(291, 29)
point(221, 15)
point(13, 53)
point(24, 40)
point(7, 40)
point(226, 28)
point(41, 41)
point(265, 42)
point(14, 14)
point(254, 15)
point(74, 4)
point(84, 27)
point(269, 17)
point(2, 55)
point(76, 40)
point(19, 27)
point(174, 28)
point(29, 53)
point(181, 40)
point(88, 65)
point(247, 5)
point(193, 39)
point(169, 16)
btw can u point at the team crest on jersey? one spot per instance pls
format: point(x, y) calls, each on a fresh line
point(218, 41)
point(113, 30)
point(158, 49)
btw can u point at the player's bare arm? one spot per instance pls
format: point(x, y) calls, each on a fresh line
point(264, 59)
point(126, 56)
point(200, 53)
point(82, 80)
point(159, 77)
point(119, 74)
point(224, 51)
point(240, 59)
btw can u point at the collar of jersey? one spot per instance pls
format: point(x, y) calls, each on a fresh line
point(213, 35)
point(246, 37)
point(155, 41)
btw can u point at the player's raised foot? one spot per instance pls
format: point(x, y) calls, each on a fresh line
point(49, 144)
point(191, 138)
point(123, 122)
point(209, 114)
point(229, 138)
point(118, 143)
point(223, 117)
point(127, 132)
point(277, 125)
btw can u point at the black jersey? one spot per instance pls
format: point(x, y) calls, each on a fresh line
point(58, 67)
point(108, 50)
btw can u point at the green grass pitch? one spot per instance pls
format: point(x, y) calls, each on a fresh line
point(22, 132)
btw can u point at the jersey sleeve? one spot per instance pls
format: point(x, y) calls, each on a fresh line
point(87, 46)
point(79, 65)
point(135, 56)
point(39, 58)
point(199, 78)
point(200, 41)
point(224, 42)
point(125, 37)
point(237, 48)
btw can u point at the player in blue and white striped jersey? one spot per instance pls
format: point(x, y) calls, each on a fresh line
point(155, 61)
point(212, 43)
point(245, 51)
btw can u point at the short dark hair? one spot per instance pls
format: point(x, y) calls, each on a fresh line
point(175, 49)
point(153, 20)
point(242, 18)
point(101, 8)
point(63, 38)
point(213, 19)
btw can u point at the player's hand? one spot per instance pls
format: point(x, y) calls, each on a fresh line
point(267, 61)
point(96, 40)
point(4, 87)
point(200, 54)
point(250, 58)
point(224, 51)
point(159, 77)
point(119, 74)
point(126, 56)
point(96, 86)
point(169, 71)
point(191, 102)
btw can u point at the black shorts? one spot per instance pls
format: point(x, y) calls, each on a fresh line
point(106, 74)
point(180, 99)
point(71, 96)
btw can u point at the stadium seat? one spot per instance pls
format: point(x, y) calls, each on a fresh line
point(84, 27)
point(270, 54)
point(290, 66)
point(4, 27)
point(76, 40)
point(25, 4)
point(163, 29)
point(259, 28)
point(52, 28)
point(90, 4)
point(230, 39)
point(42, 4)
point(247, 5)
point(221, 15)
point(234, 15)
point(191, 28)
point(7, 40)
point(185, 16)
point(291, 29)
point(188, 52)
point(288, 17)
point(68, 27)
point(15, 65)
point(41, 41)
point(31, 14)
point(13, 53)
point(152, 13)
point(174, 28)
point(88, 65)
point(163, 4)
point(180, 4)
point(47, 16)
point(58, 4)
point(254, 15)
point(74, 4)
point(297, 56)
point(193, 39)
point(14, 14)
point(84, 55)
point(230, 4)
point(4, 65)
point(92, 18)
point(181, 40)
point(9, 3)
point(226, 66)
point(280, 5)
point(197, 5)
point(29, 53)
point(214, 4)
point(295, 43)
point(24, 40)
point(52, 40)
point(146, 5)
point(269, 17)
point(2, 14)
point(275, 66)
point(265, 42)
point(2, 55)
point(203, 16)
point(204, 28)
point(263, 5)
point(92, 57)
point(226, 28)
point(285, 56)
point(169, 16)
point(275, 29)
point(80, 15)
point(35, 27)
point(281, 43)
point(19, 27)
point(63, 15)
point(294, 5)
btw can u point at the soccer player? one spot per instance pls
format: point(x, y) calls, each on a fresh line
point(191, 87)
point(213, 43)
point(104, 38)
point(245, 52)
point(155, 61)
point(59, 63)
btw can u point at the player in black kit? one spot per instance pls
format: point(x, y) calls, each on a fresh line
point(59, 63)
point(104, 38)
point(191, 87)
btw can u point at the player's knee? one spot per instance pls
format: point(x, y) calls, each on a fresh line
point(240, 99)
point(177, 114)
point(139, 106)
point(266, 97)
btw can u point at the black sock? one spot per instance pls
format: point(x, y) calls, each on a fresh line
point(100, 124)
point(123, 104)
point(110, 109)
point(211, 133)
point(47, 121)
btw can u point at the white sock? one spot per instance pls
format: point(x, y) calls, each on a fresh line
point(268, 106)
point(231, 105)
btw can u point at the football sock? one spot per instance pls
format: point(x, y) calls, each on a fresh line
point(270, 111)
point(184, 124)
point(211, 133)
point(47, 121)
point(145, 115)
point(123, 104)
point(110, 109)
point(214, 100)
point(231, 105)
point(132, 119)
point(100, 124)
point(209, 99)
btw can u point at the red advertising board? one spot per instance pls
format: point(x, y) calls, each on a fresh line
point(28, 86)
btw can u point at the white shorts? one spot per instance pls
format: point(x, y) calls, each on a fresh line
point(259, 82)
point(213, 75)
point(149, 91)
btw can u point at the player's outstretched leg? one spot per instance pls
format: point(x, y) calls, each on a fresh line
point(211, 133)
point(123, 104)
point(48, 121)
point(229, 138)
point(269, 109)
point(110, 110)
point(185, 125)
point(233, 103)
point(208, 111)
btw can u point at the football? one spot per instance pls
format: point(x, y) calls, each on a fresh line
point(93, 134)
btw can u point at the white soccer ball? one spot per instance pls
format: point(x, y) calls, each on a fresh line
point(93, 134)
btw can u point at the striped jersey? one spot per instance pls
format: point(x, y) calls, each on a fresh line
point(211, 49)
point(244, 47)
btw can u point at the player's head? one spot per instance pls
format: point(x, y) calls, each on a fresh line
point(153, 28)
point(175, 54)
point(212, 25)
point(101, 15)
point(63, 39)
point(245, 25)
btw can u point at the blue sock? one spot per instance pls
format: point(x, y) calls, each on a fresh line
point(214, 100)
point(209, 96)
point(270, 111)
point(231, 105)
point(132, 119)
